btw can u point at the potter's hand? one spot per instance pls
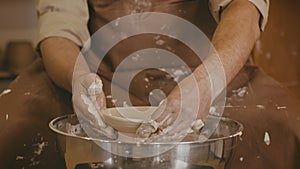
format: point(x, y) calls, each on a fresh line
point(179, 112)
point(88, 101)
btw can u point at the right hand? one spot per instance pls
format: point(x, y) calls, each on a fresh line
point(185, 108)
point(88, 101)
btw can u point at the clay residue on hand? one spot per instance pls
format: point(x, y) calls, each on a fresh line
point(93, 108)
point(197, 125)
point(96, 87)
point(147, 129)
point(153, 129)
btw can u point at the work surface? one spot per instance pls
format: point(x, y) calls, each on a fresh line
point(269, 113)
point(271, 118)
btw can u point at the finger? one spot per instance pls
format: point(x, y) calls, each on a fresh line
point(145, 130)
point(166, 114)
point(160, 110)
point(107, 132)
point(101, 101)
point(177, 128)
point(93, 109)
point(95, 92)
point(90, 86)
point(175, 132)
point(161, 118)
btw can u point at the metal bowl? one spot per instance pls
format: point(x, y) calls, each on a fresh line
point(215, 153)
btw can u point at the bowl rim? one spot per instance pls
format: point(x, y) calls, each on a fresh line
point(237, 134)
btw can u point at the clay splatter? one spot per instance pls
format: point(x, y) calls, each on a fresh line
point(267, 139)
point(19, 158)
point(281, 107)
point(40, 147)
point(136, 57)
point(241, 159)
point(114, 101)
point(260, 106)
point(241, 92)
point(5, 92)
point(160, 42)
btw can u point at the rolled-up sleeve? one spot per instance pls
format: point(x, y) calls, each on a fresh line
point(216, 7)
point(63, 18)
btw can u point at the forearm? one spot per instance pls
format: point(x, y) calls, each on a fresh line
point(236, 35)
point(234, 38)
point(59, 57)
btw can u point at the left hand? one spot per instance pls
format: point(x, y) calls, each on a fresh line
point(88, 101)
point(188, 101)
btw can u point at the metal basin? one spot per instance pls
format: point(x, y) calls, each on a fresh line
point(215, 153)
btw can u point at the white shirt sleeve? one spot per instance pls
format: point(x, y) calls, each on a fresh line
point(63, 18)
point(216, 7)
